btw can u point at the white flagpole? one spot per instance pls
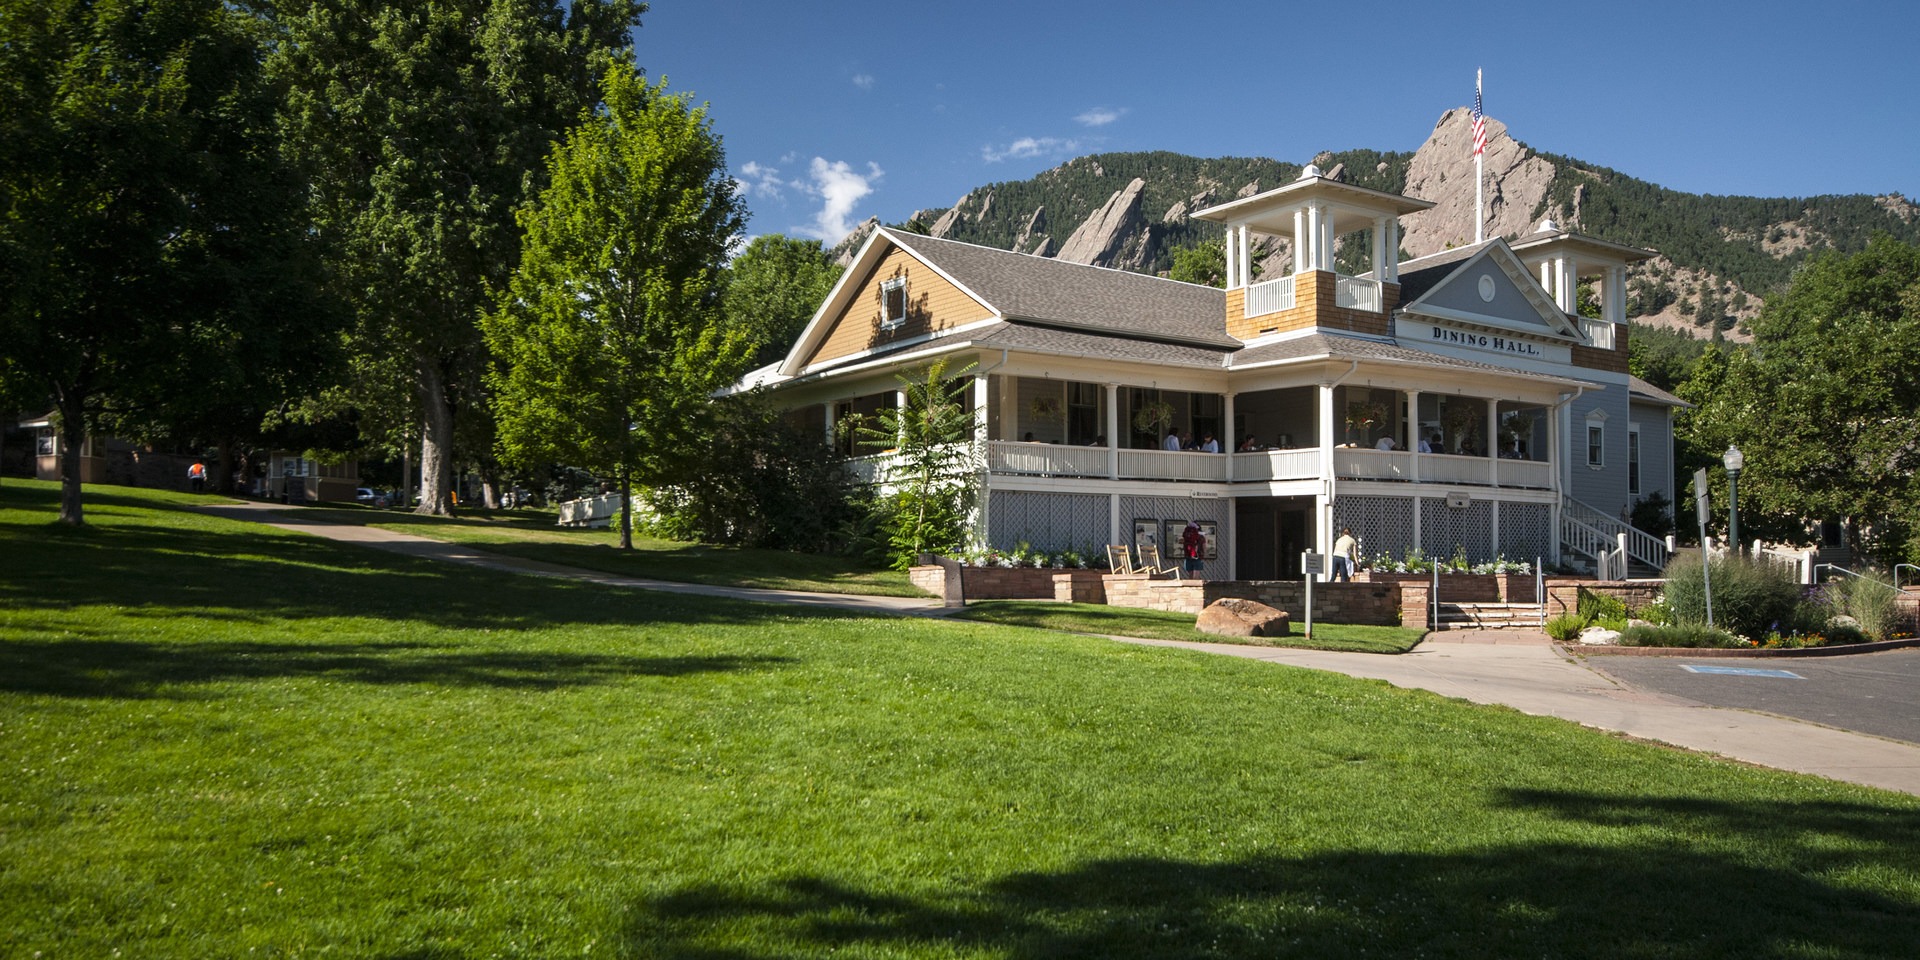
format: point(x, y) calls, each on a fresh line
point(1479, 175)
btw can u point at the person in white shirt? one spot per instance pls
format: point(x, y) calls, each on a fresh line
point(1172, 442)
point(1209, 445)
point(1345, 555)
point(1385, 443)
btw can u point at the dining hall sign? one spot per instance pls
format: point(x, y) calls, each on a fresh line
point(1481, 342)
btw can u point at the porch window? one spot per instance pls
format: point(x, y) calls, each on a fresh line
point(1083, 413)
point(1596, 436)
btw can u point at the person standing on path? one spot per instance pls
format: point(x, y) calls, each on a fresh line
point(1345, 555)
point(1193, 547)
point(197, 477)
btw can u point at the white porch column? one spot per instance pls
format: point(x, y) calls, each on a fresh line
point(1233, 256)
point(829, 406)
point(1414, 439)
point(1380, 257)
point(982, 402)
point(1231, 439)
point(1113, 436)
point(1323, 501)
point(1300, 260)
point(1566, 285)
point(1246, 255)
point(1613, 295)
point(1313, 236)
point(1393, 250)
point(1493, 439)
point(1323, 242)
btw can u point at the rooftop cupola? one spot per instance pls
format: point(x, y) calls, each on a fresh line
point(1564, 258)
point(1315, 213)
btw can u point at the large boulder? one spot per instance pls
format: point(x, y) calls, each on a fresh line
point(1231, 617)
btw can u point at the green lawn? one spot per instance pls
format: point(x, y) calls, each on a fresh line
point(222, 740)
point(533, 535)
point(1162, 625)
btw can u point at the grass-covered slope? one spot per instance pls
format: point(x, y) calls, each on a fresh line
point(220, 740)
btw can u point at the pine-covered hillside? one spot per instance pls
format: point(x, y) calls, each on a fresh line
point(1720, 256)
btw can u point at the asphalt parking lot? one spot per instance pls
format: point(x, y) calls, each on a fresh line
point(1875, 693)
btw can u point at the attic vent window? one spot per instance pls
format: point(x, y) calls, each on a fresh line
point(893, 302)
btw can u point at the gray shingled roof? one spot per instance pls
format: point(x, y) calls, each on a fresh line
point(1060, 293)
point(1642, 390)
point(1428, 271)
point(1074, 343)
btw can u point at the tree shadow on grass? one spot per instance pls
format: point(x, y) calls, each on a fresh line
point(248, 573)
point(1704, 878)
point(135, 670)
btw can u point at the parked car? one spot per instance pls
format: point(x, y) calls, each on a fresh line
point(364, 495)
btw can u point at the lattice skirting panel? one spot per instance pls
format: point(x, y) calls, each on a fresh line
point(1383, 524)
point(1174, 512)
point(1526, 531)
point(1446, 531)
point(1047, 521)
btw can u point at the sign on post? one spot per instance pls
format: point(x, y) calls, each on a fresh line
point(1311, 565)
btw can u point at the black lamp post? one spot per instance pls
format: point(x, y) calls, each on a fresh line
point(1735, 461)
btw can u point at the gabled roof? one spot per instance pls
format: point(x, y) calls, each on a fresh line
point(1020, 286)
point(1436, 273)
point(1037, 290)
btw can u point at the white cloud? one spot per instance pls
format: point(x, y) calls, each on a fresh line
point(863, 80)
point(839, 188)
point(1026, 147)
point(760, 180)
point(1101, 116)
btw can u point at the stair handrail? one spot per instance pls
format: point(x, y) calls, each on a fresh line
point(1584, 537)
point(1896, 573)
point(1641, 545)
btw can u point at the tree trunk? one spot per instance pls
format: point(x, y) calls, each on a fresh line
point(436, 444)
point(73, 434)
point(626, 511)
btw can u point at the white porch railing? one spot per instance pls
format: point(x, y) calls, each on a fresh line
point(1360, 463)
point(1599, 332)
point(1523, 473)
point(1357, 294)
point(1046, 459)
point(1277, 465)
point(1799, 561)
point(1449, 468)
point(1172, 465)
point(1270, 296)
point(589, 511)
point(1604, 549)
point(1641, 545)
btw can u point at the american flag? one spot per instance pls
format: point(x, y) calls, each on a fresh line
point(1479, 121)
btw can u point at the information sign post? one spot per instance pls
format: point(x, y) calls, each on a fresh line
point(1311, 565)
point(1700, 508)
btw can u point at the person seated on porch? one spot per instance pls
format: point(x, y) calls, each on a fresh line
point(1208, 444)
point(1386, 443)
point(1028, 438)
point(1352, 441)
point(1099, 441)
point(1432, 446)
point(1173, 440)
point(1247, 445)
point(1512, 452)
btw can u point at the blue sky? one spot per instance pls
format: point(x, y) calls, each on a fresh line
point(833, 112)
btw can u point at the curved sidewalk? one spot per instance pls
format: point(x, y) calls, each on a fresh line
point(1491, 667)
point(1533, 677)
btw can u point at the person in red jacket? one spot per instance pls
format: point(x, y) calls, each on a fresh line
point(1193, 546)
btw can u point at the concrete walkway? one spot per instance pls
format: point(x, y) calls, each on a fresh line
point(1509, 668)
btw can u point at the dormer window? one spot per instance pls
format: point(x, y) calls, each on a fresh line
point(893, 302)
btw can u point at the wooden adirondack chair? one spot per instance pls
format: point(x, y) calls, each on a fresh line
point(1150, 562)
point(1120, 558)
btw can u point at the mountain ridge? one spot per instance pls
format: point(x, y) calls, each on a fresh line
point(1719, 256)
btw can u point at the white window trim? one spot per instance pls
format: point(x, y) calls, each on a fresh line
point(1592, 447)
point(886, 295)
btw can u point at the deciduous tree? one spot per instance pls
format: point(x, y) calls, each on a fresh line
point(772, 289)
point(610, 338)
point(425, 127)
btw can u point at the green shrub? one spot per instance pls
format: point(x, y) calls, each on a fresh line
point(1656, 612)
point(1841, 634)
point(1749, 599)
point(1565, 627)
point(1600, 606)
point(1678, 635)
point(1874, 604)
